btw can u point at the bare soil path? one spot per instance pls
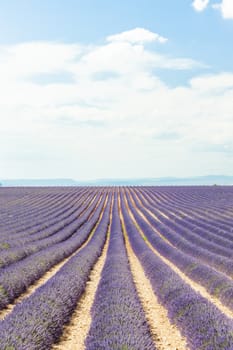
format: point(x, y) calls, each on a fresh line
point(48, 274)
point(166, 336)
point(75, 332)
point(194, 285)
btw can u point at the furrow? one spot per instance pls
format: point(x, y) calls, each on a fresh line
point(74, 334)
point(186, 279)
point(166, 336)
point(49, 274)
point(148, 222)
point(37, 322)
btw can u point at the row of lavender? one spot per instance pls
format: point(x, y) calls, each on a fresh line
point(216, 283)
point(182, 199)
point(48, 212)
point(207, 211)
point(52, 221)
point(194, 212)
point(216, 207)
point(54, 234)
point(194, 224)
point(118, 320)
point(35, 200)
point(169, 214)
point(17, 277)
point(191, 242)
point(35, 213)
point(37, 322)
point(203, 325)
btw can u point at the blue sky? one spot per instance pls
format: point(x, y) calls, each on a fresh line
point(95, 89)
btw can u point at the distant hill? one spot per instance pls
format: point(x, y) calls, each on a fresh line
point(163, 181)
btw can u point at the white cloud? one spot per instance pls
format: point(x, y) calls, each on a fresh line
point(26, 59)
point(226, 8)
point(200, 5)
point(213, 83)
point(137, 35)
point(75, 128)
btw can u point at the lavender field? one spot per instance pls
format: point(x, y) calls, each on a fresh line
point(125, 268)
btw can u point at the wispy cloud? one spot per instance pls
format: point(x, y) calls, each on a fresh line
point(200, 5)
point(112, 108)
point(226, 8)
point(217, 83)
point(137, 35)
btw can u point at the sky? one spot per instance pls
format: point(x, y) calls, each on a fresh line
point(116, 89)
